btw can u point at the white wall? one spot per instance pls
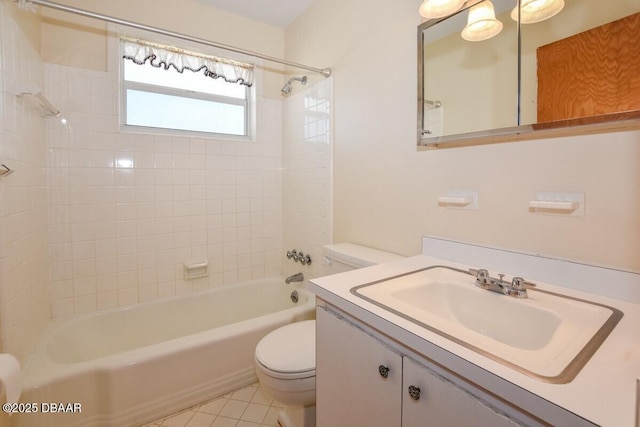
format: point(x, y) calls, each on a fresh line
point(24, 292)
point(385, 192)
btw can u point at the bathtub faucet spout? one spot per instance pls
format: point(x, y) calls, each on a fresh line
point(299, 277)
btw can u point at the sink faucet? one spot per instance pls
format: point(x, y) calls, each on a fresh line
point(517, 288)
point(298, 277)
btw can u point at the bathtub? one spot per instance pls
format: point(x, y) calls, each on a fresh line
point(126, 367)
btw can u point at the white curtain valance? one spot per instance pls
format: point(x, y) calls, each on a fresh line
point(162, 56)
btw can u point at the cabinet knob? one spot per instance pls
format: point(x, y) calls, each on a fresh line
point(384, 371)
point(414, 392)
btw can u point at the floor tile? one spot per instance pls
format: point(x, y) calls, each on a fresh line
point(214, 407)
point(200, 419)
point(262, 397)
point(249, 406)
point(254, 413)
point(224, 422)
point(234, 409)
point(271, 418)
point(178, 420)
point(244, 394)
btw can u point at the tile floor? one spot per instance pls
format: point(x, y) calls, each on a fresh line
point(250, 406)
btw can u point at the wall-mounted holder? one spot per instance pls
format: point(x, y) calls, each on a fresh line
point(299, 257)
point(48, 110)
point(460, 199)
point(196, 269)
point(558, 203)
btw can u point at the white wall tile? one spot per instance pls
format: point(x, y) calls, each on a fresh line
point(107, 300)
point(134, 207)
point(24, 259)
point(307, 201)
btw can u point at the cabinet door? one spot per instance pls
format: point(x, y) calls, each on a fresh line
point(440, 403)
point(351, 366)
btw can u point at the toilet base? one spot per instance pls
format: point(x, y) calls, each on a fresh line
point(297, 416)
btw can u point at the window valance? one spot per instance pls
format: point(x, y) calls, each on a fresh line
point(162, 56)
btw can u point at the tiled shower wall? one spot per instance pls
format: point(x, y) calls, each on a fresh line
point(127, 210)
point(24, 291)
point(95, 218)
point(308, 141)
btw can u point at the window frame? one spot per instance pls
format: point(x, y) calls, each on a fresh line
point(248, 103)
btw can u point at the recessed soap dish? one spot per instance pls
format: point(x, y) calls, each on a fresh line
point(195, 269)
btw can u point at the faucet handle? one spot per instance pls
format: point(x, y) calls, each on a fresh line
point(482, 274)
point(482, 277)
point(479, 273)
point(521, 284)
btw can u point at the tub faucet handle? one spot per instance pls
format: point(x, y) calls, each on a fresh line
point(304, 259)
point(299, 256)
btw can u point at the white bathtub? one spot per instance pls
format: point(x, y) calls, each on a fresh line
point(129, 366)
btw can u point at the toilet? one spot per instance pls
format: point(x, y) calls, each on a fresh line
point(285, 359)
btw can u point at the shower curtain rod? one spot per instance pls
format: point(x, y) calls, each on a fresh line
point(324, 71)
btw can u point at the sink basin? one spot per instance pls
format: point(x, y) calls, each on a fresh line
point(547, 336)
point(485, 313)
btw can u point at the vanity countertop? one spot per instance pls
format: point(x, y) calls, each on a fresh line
point(603, 392)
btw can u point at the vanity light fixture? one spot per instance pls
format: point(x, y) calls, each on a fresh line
point(533, 11)
point(481, 23)
point(431, 9)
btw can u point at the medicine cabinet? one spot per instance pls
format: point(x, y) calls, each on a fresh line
point(573, 73)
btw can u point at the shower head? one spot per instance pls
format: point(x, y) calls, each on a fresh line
point(287, 87)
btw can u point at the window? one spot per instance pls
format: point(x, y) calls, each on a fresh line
point(166, 88)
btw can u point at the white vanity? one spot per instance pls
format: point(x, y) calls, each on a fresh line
point(381, 361)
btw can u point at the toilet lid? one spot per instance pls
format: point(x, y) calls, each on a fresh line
point(289, 349)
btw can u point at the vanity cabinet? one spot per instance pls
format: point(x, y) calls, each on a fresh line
point(433, 400)
point(358, 379)
point(363, 381)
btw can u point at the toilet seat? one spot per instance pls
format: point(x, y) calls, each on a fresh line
point(286, 376)
point(289, 351)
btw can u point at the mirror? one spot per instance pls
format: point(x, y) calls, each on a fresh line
point(488, 90)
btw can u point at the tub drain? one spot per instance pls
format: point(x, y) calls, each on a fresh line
point(294, 296)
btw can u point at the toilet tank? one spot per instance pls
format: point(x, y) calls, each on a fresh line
point(340, 257)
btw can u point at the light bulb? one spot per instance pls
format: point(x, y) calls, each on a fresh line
point(532, 11)
point(481, 23)
point(431, 9)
